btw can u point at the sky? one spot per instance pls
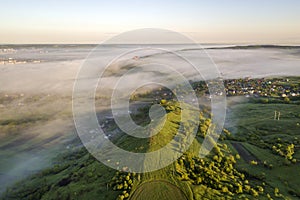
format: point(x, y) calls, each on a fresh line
point(205, 21)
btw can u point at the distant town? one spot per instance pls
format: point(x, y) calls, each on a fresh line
point(283, 88)
point(264, 90)
point(277, 87)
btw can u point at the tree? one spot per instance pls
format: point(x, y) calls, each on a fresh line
point(225, 189)
point(290, 151)
point(253, 192)
point(253, 162)
point(163, 101)
point(286, 100)
point(239, 189)
point(260, 189)
point(198, 180)
point(276, 192)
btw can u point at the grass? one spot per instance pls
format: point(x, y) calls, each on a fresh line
point(159, 189)
point(163, 183)
point(264, 155)
point(77, 175)
point(255, 124)
point(259, 118)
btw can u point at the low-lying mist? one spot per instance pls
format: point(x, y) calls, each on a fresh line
point(36, 121)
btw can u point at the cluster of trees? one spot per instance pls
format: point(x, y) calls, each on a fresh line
point(122, 181)
point(205, 123)
point(171, 106)
point(217, 172)
point(284, 147)
point(285, 150)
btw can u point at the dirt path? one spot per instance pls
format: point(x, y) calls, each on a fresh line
point(244, 153)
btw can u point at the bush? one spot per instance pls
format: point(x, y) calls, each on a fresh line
point(253, 162)
point(286, 100)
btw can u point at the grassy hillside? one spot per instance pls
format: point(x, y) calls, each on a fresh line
point(256, 158)
point(273, 143)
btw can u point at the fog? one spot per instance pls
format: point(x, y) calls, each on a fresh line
point(55, 70)
point(36, 83)
point(235, 63)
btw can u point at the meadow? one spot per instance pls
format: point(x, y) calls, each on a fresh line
point(256, 157)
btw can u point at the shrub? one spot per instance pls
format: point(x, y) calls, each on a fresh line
point(253, 162)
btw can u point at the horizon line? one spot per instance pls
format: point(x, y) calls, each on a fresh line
point(95, 44)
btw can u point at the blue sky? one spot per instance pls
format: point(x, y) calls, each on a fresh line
point(217, 21)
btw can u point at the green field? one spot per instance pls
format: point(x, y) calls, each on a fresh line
point(259, 134)
point(148, 190)
point(258, 158)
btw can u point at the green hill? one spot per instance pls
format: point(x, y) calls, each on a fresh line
point(223, 174)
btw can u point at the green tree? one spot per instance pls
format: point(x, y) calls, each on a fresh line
point(286, 100)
